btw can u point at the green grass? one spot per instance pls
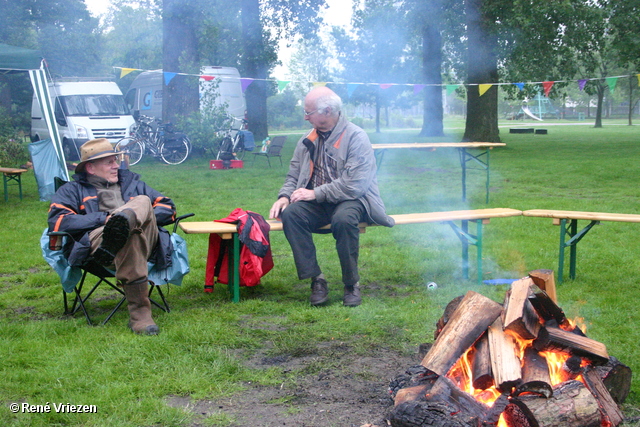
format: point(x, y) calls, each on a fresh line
point(47, 357)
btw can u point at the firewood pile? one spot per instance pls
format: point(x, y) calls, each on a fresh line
point(517, 364)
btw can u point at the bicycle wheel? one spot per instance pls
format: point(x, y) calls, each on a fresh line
point(174, 152)
point(134, 148)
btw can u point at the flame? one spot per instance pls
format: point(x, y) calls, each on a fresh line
point(462, 375)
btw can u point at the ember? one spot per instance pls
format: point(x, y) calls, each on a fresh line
point(519, 364)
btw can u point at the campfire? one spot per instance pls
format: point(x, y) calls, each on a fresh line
point(519, 364)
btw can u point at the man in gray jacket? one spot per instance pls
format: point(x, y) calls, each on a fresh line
point(331, 180)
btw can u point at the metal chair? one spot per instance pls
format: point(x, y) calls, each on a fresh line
point(74, 278)
point(273, 150)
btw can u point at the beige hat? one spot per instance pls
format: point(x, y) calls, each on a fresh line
point(93, 150)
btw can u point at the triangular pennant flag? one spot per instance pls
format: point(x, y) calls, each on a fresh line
point(520, 86)
point(451, 89)
point(547, 87)
point(125, 71)
point(385, 85)
point(245, 83)
point(318, 84)
point(611, 82)
point(351, 87)
point(582, 83)
point(417, 89)
point(282, 84)
point(168, 77)
point(207, 78)
point(483, 87)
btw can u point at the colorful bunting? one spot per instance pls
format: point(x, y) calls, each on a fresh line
point(282, 84)
point(168, 77)
point(417, 88)
point(125, 71)
point(582, 83)
point(451, 89)
point(482, 88)
point(245, 83)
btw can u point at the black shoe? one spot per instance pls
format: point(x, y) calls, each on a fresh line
point(352, 296)
point(319, 292)
point(114, 236)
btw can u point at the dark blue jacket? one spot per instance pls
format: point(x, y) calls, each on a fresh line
point(75, 210)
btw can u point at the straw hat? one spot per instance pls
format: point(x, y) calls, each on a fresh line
point(93, 150)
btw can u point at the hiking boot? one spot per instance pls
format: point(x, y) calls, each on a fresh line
point(114, 236)
point(352, 296)
point(319, 292)
point(139, 305)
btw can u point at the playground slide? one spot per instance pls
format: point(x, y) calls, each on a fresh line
point(530, 114)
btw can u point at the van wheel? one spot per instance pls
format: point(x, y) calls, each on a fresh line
point(70, 151)
point(35, 138)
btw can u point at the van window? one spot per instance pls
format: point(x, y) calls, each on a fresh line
point(93, 105)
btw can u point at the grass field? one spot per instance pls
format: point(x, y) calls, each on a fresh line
point(49, 358)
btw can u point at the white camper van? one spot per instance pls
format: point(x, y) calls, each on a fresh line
point(145, 93)
point(83, 110)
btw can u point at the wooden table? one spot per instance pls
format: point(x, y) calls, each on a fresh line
point(481, 158)
point(12, 174)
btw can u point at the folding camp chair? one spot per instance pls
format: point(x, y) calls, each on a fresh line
point(74, 279)
point(273, 150)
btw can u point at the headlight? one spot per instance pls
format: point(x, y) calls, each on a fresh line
point(81, 132)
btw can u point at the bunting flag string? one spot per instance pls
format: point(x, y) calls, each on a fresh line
point(547, 86)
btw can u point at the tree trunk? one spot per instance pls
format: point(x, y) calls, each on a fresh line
point(378, 111)
point(600, 91)
point(631, 105)
point(482, 111)
point(431, 67)
point(179, 55)
point(255, 66)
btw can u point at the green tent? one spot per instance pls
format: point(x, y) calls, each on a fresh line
point(16, 59)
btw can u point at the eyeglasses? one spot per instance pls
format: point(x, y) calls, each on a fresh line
point(313, 112)
point(108, 161)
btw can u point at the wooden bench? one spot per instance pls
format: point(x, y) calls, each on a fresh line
point(12, 174)
point(479, 216)
point(568, 222)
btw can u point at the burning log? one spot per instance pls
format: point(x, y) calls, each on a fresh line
point(552, 338)
point(519, 315)
point(544, 280)
point(469, 321)
point(572, 405)
point(481, 367)
point(535, 375)
point(611, 414)
point(546, 308)
point(504, 362)
point(617, 378)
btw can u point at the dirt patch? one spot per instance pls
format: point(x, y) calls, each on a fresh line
point(331, 387)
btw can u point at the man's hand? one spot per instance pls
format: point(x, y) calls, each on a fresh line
point(278, 207)
point(302, 194)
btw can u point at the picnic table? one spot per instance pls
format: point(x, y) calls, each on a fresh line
point(481, 157)
point(12, 174)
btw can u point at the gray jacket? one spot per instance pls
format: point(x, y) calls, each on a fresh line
point(350, 147)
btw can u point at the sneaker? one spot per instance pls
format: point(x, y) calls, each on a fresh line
point(114, 236)
point(319, 292)
point(352, 296)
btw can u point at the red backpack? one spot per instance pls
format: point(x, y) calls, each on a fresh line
point(255, 250)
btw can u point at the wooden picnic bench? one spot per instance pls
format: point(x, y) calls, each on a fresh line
point(568, 222)
point(479, 216)
point(12, 174)
point(480, 156)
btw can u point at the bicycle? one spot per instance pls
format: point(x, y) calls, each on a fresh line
point(159, 139)
point(231, 146)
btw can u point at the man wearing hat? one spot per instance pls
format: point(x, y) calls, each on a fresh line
point(115, 218)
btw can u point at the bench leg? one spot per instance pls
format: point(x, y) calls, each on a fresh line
point(234, 269)
point(574, 237)
point(467, 239)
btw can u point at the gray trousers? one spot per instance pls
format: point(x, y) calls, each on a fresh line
point(301, 219)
